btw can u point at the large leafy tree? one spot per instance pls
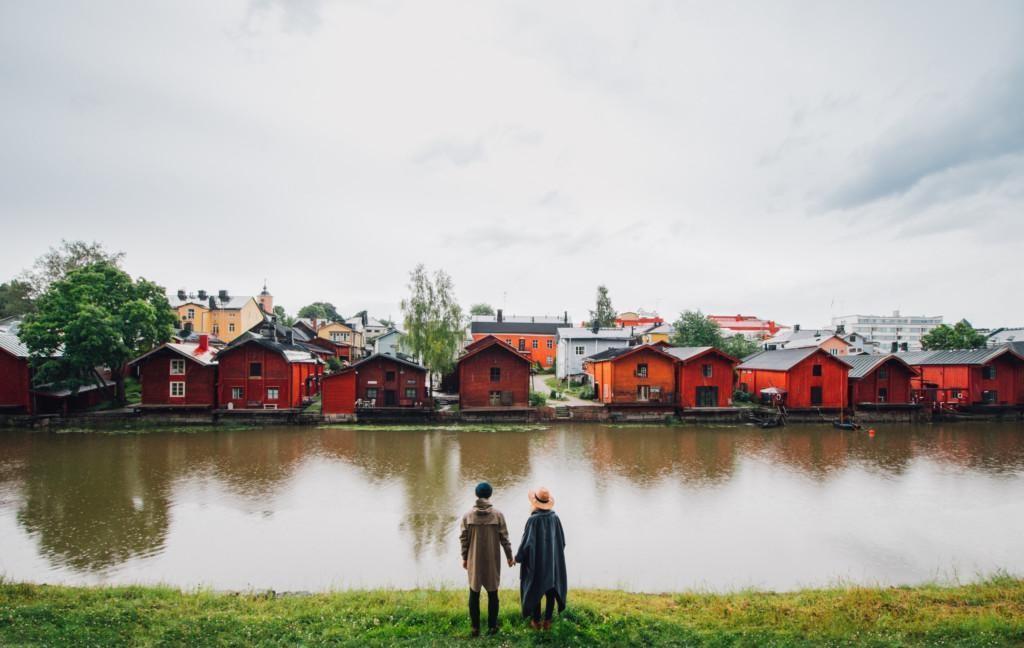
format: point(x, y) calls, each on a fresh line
point(739, 347)
point(321, 311)
point(603, 315)
point(62, 259)
point(283, 317)
point(481, 309)
point(96, 316)
point(433, 320)
point(694, 329)
point(959, 336)
point(15, 298)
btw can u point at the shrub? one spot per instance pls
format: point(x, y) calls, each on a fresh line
point(537, 399)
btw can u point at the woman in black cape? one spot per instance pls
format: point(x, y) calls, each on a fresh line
point(541, 559)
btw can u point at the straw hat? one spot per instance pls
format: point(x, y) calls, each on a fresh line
point(541, 499)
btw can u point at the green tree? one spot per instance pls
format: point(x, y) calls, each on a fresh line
point(433, 320)
point(96, 316)
point(15, 298)
point(739, 347)
point(283, 317)
point(321, 311)
point(68, 256)
point(481, 309)
point(694, 329)
point(334, 365)
point(959, 336)
point(603, 315)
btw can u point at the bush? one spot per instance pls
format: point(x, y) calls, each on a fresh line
point(537, 399)
point(740, 396)
point(587, 392)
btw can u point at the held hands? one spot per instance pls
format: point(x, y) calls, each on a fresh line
point(511, 562)
point(465, 565)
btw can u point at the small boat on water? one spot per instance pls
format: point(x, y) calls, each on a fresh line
point(845, 425)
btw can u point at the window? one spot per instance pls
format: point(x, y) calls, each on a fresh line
point(255, 369)
point(177, 389)
point(551, 344)
point(410, 393)
point(371, 393)
point(495, 374)
point(231, 327)
point(988, 373)
point(706, 370)
point(508, 341)
point(990, 397)
point(643, 392)
point(191, 313)
point(536, 343)
point(834, 351)
point(883, 395)
point(177, 367)
point(389, 376)
point(744, 388)
point(580, 350)
point(335, 336)
point(816, 370)
point(522, 344)
point(883, 374)
point(216, 329)
point(273, 393)
point(236, 393)
point(549, 360)
point(641, 370)
point(816, 396)
point(494, 398)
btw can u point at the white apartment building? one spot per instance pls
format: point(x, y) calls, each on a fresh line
point(885, 330)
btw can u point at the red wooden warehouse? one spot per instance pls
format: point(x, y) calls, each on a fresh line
point(802, 378)
point(377, 382)
point(704, 376)
point(492, 374)
point(991, 376)
point(266, 371)
point(179, 375)
point(15, 373)
point(638, 376)
point(879, 379)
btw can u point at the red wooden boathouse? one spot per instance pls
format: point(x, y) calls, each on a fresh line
point(990, 376)
point(704, 376)
point(377, 382)
point(182, 374)
point(804, 378)
point(266, 371)
point(15, 372)
point(492, 374)
point(879, 379)
point(638, 376)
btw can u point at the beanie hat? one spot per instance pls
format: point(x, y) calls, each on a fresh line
point(484, 490)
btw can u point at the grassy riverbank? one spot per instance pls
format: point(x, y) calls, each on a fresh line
point(984, 614)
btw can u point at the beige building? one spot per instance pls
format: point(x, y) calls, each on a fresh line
point(221, 315)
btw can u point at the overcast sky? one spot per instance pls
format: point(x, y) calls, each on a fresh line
point(789, 160)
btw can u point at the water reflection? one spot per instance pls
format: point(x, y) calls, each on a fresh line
point(283, 507)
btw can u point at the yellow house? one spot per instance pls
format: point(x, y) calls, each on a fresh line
point(222, 315)
point(341, 334)
point(656, 334)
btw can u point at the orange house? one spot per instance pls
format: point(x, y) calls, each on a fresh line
point(639, 376)
point(704, 376)
point(991, 376)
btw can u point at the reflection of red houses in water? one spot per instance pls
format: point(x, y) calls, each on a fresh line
point(749, 326)
point(803, 378)
point(879, 379)
point(991, 376)
point(380, 381)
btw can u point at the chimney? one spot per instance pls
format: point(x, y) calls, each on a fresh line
point(500, 318)
point(905, 346)
point(895, 347)
point(796, 328)
point(201, 295)
point(182, 295)
point(222, 295)
point(312, 321)
point(213, 302)
point(840, 329)
point(291, 336)
point(204, 343)
point(565, 317)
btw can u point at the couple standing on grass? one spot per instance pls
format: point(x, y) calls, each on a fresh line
point(541, 558)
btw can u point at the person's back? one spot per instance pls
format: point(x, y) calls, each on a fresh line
point(483, 537)
point(541, 557)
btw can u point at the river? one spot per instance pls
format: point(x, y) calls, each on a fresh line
point(644, 508)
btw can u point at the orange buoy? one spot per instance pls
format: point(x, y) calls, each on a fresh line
point(871, 432)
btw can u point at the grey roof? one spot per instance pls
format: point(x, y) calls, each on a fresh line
point(404, 360)
point(967, 356)
point(609, 354)
point(233, 302)
point(513, 328)
point(532, 319)
point(781, 360)
point(291, 352)
point(578, 333)
point(685, 353)
point(862, 365)
point(10, 343)
point(1006, 334)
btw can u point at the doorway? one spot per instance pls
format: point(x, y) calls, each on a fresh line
point(707, 397)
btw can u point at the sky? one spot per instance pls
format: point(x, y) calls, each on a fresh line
point(791, 160)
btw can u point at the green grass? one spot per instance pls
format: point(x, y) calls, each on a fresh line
point(986, 614)
point(314, 406)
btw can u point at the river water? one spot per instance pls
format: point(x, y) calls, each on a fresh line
point(644, 508)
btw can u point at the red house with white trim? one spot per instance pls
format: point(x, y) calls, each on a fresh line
point(179, 374)
point(493, 375)
point(266, 370)
point(378, 382)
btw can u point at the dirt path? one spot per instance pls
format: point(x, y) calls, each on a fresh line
point(571, 401)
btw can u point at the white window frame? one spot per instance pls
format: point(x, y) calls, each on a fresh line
point(241, 393)
point(580, 350)
point(276, 391)
point(177, 366)
point(177, 383)
point(231, 327)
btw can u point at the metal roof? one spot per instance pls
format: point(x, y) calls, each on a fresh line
point(189, 350)
point(685, 353)
point(956, 357)
point(862, 365)
point(386, 356)
point(579, 333)
point(290, 352)
point(514, 328)
point(781, 360)
point(608, 354)
point(10, 343)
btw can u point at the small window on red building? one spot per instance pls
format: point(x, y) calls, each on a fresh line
point(641, 370)
point(706, 369)
point(551, 344)
point(273, 393)
point(988, 373)
point(389, 376)
point(255, 369)
point(236, 393)
point(536, 343)
point(883, 374)
point(410, 393)
point(816, 370)
point(495, 374)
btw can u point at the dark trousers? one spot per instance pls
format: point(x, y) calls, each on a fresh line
point(549, 606)
point(492, 609)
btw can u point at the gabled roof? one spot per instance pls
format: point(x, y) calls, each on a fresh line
point(862, 365)
point(384, 356)
point(964, 357)
point(188, 350)
point(290, 352)
point(686, 354)
point(783, 359)
point(486, 343)
point(618, 354)
point(11, 343)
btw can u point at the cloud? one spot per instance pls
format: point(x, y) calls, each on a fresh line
point(459, 152)
point(303, 16)
point(937, 138)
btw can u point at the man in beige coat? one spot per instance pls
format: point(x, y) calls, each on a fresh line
point(484, 535)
